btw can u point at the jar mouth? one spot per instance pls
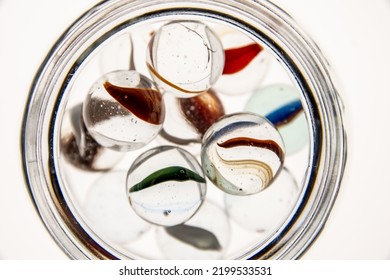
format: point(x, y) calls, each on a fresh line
point(50, 98)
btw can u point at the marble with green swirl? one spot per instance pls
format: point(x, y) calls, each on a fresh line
point(166, 186)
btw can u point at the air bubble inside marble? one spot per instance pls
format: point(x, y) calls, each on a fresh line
point(124, 110)
point(166, 186)
point(242, 153)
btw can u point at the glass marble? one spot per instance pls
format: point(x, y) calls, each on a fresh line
point(205, 236)
point(166, 185)
point(118, 54)
point(187, 119)
point(80, 149)
point(264, 211)
point(185, 58)
point(107, 209)
point(280, 103)
point(176, 129)
point(242, 153)
point(202, 110)
point(246, 63)
point(124, 110)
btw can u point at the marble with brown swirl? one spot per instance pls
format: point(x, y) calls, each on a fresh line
point(242, 153)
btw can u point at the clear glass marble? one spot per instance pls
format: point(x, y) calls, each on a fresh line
point(124, 110)
point(118, 55)
point(270, 205)
point(166, 186)
point(185, 58)
point(108, 211)
point(176, 129)
point(242, 153)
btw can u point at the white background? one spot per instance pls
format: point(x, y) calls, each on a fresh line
point(353, 34)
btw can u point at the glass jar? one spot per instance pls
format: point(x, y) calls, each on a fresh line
point(56, 89)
